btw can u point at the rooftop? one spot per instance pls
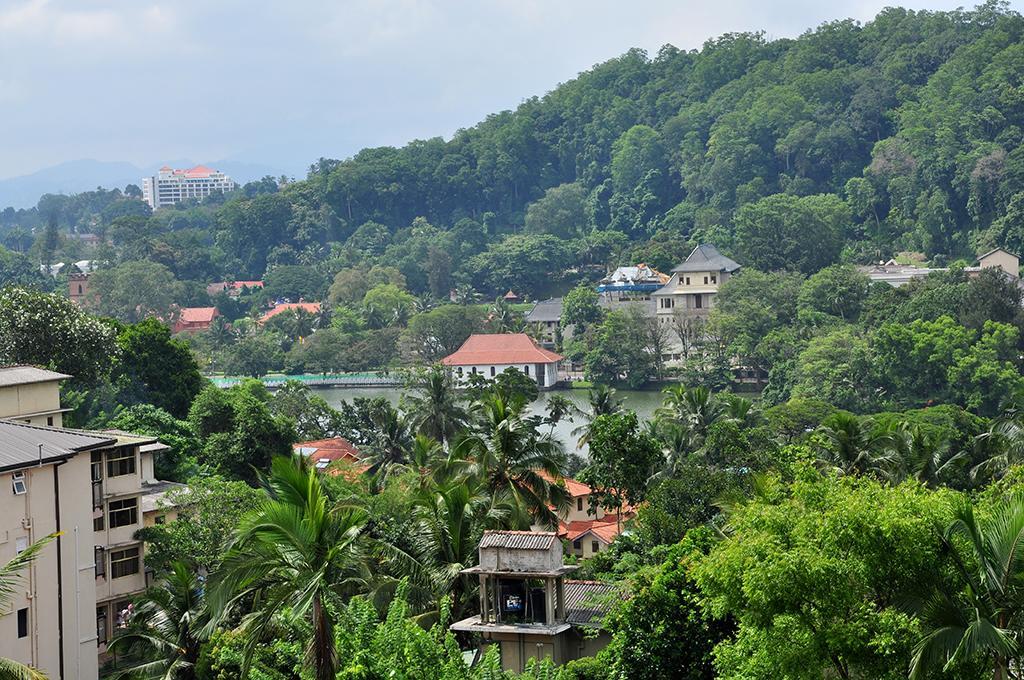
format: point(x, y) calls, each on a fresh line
point(23, 445)
point(26, 375)
point(500, 349)
point(707, 258)
point(154, 496)
point(311, 307)
point(546, 310)
point(519, 540)
point(197, 314)
point(606, 528)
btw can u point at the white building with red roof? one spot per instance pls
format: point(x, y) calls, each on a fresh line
point(586, 526)
point(491, 354)
point(170, 186)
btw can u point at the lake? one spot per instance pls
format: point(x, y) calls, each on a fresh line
point(643, 402)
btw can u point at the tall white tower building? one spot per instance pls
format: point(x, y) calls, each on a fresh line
point(171, 186)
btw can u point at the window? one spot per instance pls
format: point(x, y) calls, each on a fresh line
point(687, 280)
point(18, 483)
point(79, 289)
point(492, 371)
point(714, 279)
point(595, 546)
point(20, 544)
point(101, 625)
point(526, 370)
point(97, 466)
point(97, 523)
point(121, 462)
point(123, 513)
point(162, 519)
point(460, 371)
point(124, 562)
point(577, 544)
point(579, 504)
point(698, 301)
point(23, 622)
point(705, 280)
point(49, 420)
point(100, 557)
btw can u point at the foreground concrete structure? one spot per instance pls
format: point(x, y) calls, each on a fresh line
point(527, 605)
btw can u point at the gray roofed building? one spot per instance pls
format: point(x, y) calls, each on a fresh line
point(519, 540)
point(546, 310)
point(707, 258)
point(20, 444)
point(26, 375)
point(588, 602)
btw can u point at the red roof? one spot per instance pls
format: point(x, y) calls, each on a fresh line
point(197, 314)
point(238, 285)
point(606, 528)
point(337, 448)
point(311, 307)
point(575, 489)
point(199, 171)
point(498, 349)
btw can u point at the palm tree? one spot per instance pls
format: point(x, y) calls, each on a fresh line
point(10, 577)
point(603, 402)
point(434, 408)
point(677, 443)
point(693, 407)
point(853, 446)
point(390, 441)
point(429, 462)
point(740, 410)
point(501, 318)
point(450, 518)
point(984, 620)
point(167, 628)
point(1003, 445)
point(927, 459)
point(294, 553)
point(513, 460)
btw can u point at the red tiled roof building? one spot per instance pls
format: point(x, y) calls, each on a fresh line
point(491, 354)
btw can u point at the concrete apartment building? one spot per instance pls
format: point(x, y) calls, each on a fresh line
point(98, 489)
point(170, 186)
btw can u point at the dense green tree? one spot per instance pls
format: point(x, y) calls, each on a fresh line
point(790, 232)
point(161, 370)
point(387, 305)
point(132, 291)
point(51, 331)
point(439, 332)
point(838, 290)
point(561, 212)
point(622, 459)
point(856, 548)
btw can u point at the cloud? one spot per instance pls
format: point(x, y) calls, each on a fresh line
point(283, 83)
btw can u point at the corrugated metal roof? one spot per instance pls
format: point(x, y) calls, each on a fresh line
point(19, 444)
point(587, 602)
point(706, 258)
point(25, 375)
point(519, 540)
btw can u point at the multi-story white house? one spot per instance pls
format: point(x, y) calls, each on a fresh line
point(695, 283)
point(170, 186)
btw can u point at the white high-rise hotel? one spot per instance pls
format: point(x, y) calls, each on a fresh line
point(173, 186)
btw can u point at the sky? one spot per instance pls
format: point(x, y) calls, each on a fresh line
point(284, 82)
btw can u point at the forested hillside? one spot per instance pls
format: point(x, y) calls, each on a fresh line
point(850, 143)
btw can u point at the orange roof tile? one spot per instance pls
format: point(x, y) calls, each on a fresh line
point(311, 307)
point(197, 314)
point(499, 349)
point(606, 528)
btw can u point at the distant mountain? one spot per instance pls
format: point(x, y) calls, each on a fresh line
point(73, 177)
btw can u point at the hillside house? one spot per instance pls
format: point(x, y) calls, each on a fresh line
point(544, 320)
point(232, 288)
point(491, 354)
point(324, 452)
point(310, 307)
point(585, 526)
point(630, 285)
point(194, 319)
point(692, 288)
